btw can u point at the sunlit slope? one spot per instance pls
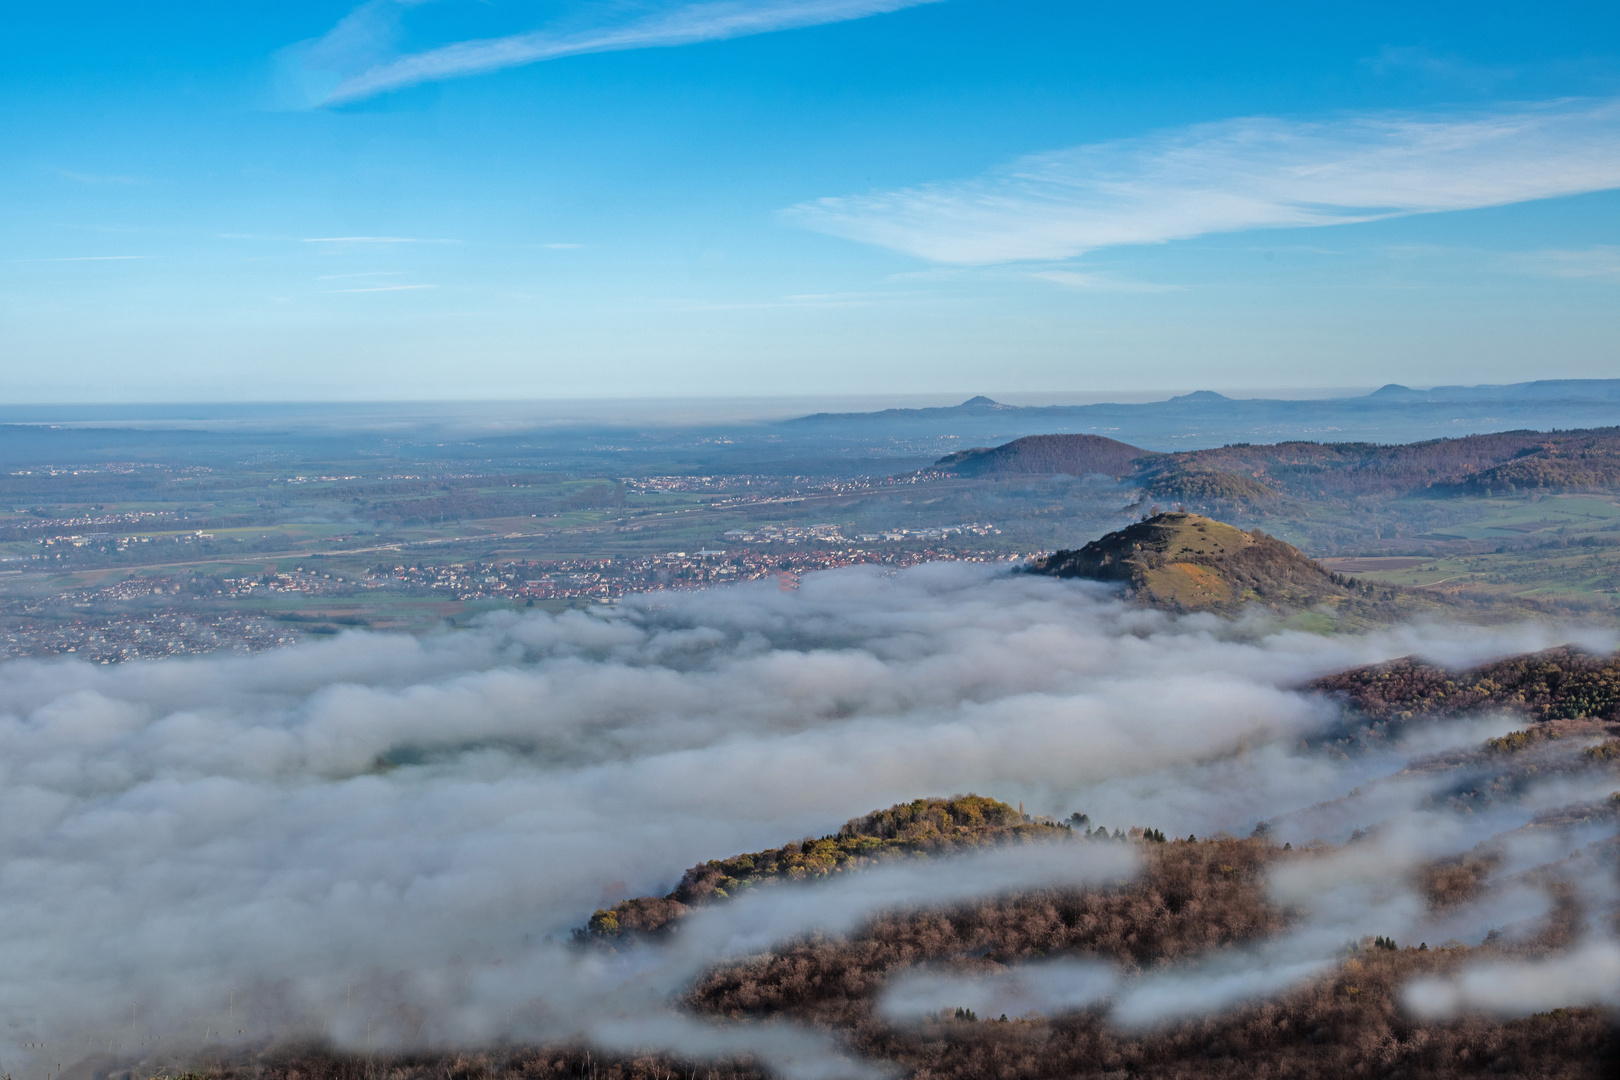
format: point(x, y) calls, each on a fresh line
point(918, 829)
point(1190, 562)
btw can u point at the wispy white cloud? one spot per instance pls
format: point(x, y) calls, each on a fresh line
point(356, 50)
point(386, 288)
point(364, 274)
point(374, 240)
point(1246, 173)
point(1446, 68)
point(99, 178)
point(1088, 282)
point(792, 301)
point(1600, 263)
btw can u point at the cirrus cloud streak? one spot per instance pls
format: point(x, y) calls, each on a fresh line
point(1245, 173)
point(686, 24)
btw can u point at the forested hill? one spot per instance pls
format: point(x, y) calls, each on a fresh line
point(1558, 684)
point(1076, 455)
point(1195, 899)
point(1241, 473)
point(918, 828)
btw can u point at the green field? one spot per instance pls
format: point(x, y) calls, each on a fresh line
point(1571, 574)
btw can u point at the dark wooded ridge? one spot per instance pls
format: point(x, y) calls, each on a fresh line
point(1561, 683)
point(1505, 463)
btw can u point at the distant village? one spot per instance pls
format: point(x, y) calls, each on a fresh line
point(591, 579)
point(195, 613)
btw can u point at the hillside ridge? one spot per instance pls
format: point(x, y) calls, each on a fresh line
point(1076, 455)
point(906, 830)
point(1503, 463)
point(1562, 683)
point(1188, 562)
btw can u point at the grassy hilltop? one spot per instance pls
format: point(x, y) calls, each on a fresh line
point(1188, 562)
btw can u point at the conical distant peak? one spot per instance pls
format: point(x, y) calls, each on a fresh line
point(979, 400)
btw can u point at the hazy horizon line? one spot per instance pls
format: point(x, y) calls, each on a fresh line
point(923, 398)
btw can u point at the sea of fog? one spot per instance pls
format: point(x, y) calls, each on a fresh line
point(384, 840)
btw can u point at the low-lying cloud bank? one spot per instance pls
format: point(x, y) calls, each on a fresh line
point(381, 839)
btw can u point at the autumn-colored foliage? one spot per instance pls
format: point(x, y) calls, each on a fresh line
point(1195, 898)
point(1185, 481)
point(1561, 683)
point(921, 827)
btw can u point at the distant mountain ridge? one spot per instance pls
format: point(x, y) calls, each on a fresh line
point(1390, 414)
point(1606, 390)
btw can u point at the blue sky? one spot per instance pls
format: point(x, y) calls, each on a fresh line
point(449, 198)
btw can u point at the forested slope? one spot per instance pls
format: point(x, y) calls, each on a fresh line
point(1077, 455)
point(1195, 898)
point(916, 829)
point(1504, 463)
point(1561, 683)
